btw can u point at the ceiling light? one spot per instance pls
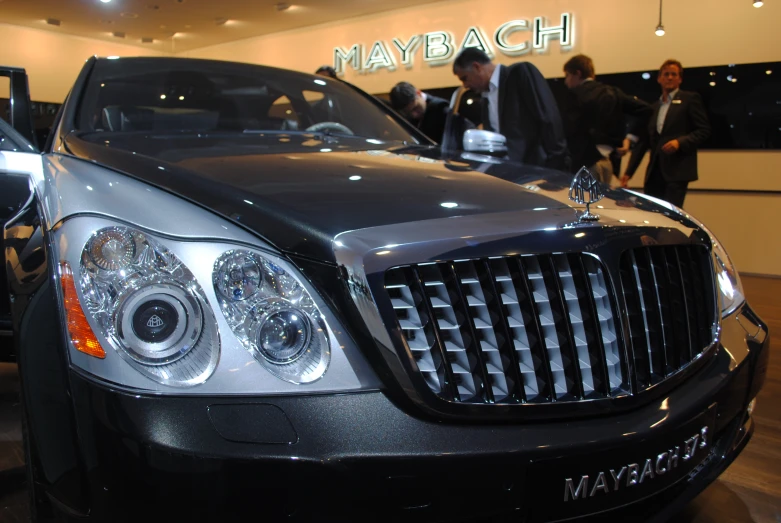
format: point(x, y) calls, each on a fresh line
point(181, 97)
point(105, 1)
point(646, 76)
point(759, 3)
point(147, 40)
point(769, 71)
point(128, 15)
point(712, 84)
point(162, 97)
point(355, 178)
point(119, 34)
point(449, 205)
point(53, 21)
point(660, 27)
point(282, 6)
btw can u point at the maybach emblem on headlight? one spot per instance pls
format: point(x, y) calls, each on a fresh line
point(586, 189)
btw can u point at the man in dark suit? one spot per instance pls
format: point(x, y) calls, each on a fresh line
point(427, 112)
point(678, 125)
point(518, 103)
point(596, 121)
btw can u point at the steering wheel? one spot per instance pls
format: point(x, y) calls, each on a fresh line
point(334, 126)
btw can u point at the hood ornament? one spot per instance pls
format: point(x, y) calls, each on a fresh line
point(586, 189)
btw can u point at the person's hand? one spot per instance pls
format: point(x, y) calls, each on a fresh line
point(671, 147)
point(621, 151)
point(624, 181)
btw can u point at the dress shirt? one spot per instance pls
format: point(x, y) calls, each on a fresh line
point(664, 106)
point(493, 99)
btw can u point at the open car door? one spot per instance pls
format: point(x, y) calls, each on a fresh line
point(20, 159)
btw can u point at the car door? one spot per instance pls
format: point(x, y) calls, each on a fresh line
point(20, 162)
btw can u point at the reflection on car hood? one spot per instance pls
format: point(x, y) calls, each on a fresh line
point(300, 191)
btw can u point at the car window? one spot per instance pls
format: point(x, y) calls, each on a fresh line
point(129, 95)
point(10, 140)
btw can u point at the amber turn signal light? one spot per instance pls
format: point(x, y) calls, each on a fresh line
point(78, 327)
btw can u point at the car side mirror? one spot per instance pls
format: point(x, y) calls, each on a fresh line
point(485, 142)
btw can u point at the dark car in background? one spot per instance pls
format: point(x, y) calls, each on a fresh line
point(241, 293)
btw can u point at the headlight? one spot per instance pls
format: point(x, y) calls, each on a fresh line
point(149, 306)
point(272, 315)
point(159, 296)
point(727, 278)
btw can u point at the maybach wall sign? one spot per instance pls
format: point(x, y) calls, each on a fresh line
point(440, 47)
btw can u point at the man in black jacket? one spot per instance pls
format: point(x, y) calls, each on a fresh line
point(678, 125)
point(427, 112)
point(595, 122)
point(518, 103)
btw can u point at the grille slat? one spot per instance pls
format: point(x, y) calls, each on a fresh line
point(562, 324)
point(466, 322)
point(545, 328)
point(591, 327)
point(510, 366)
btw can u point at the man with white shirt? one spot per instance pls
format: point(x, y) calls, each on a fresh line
point(678, 126)
point(518, 103)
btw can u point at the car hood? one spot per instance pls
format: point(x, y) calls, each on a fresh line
point(300, 191)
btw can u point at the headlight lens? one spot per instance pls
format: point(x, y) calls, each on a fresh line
point(272, 315)
point(150, 306)
point(727, 278)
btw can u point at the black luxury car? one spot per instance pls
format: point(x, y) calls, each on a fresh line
point(240, 293)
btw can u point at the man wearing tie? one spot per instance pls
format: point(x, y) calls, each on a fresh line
point(678, 126)
point(518, 103)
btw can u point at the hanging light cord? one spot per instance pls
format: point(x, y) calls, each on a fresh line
point(660, 12)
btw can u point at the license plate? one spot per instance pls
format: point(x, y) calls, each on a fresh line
point(569, 487)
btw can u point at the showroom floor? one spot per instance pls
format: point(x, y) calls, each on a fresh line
point(749, 491)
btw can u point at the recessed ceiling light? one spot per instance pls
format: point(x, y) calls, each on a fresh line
point(128, 15)
point(105, 1)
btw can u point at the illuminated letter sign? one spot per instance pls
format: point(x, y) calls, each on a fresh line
point(562, 32)
point(506, 29)
point(379, 57)
point(475, 38)
point(439, 47)
point(352, 57)
point(407, 50)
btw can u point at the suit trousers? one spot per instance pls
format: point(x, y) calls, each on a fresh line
point(657, 186)
point(603, 171)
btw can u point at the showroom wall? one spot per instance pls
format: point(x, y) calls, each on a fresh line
point(739, 192)
point(53, 60)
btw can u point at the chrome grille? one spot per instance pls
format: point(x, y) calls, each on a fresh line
point(670, 308)
point(545, 328)
point(536, 328)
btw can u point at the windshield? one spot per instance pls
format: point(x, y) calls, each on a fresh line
point(158, 95)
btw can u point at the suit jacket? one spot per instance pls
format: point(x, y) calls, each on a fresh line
point(599, 115)
point(529, 118)
point(687, 122)
point(433, 122)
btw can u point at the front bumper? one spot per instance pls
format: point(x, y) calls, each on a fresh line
point(359, 457)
